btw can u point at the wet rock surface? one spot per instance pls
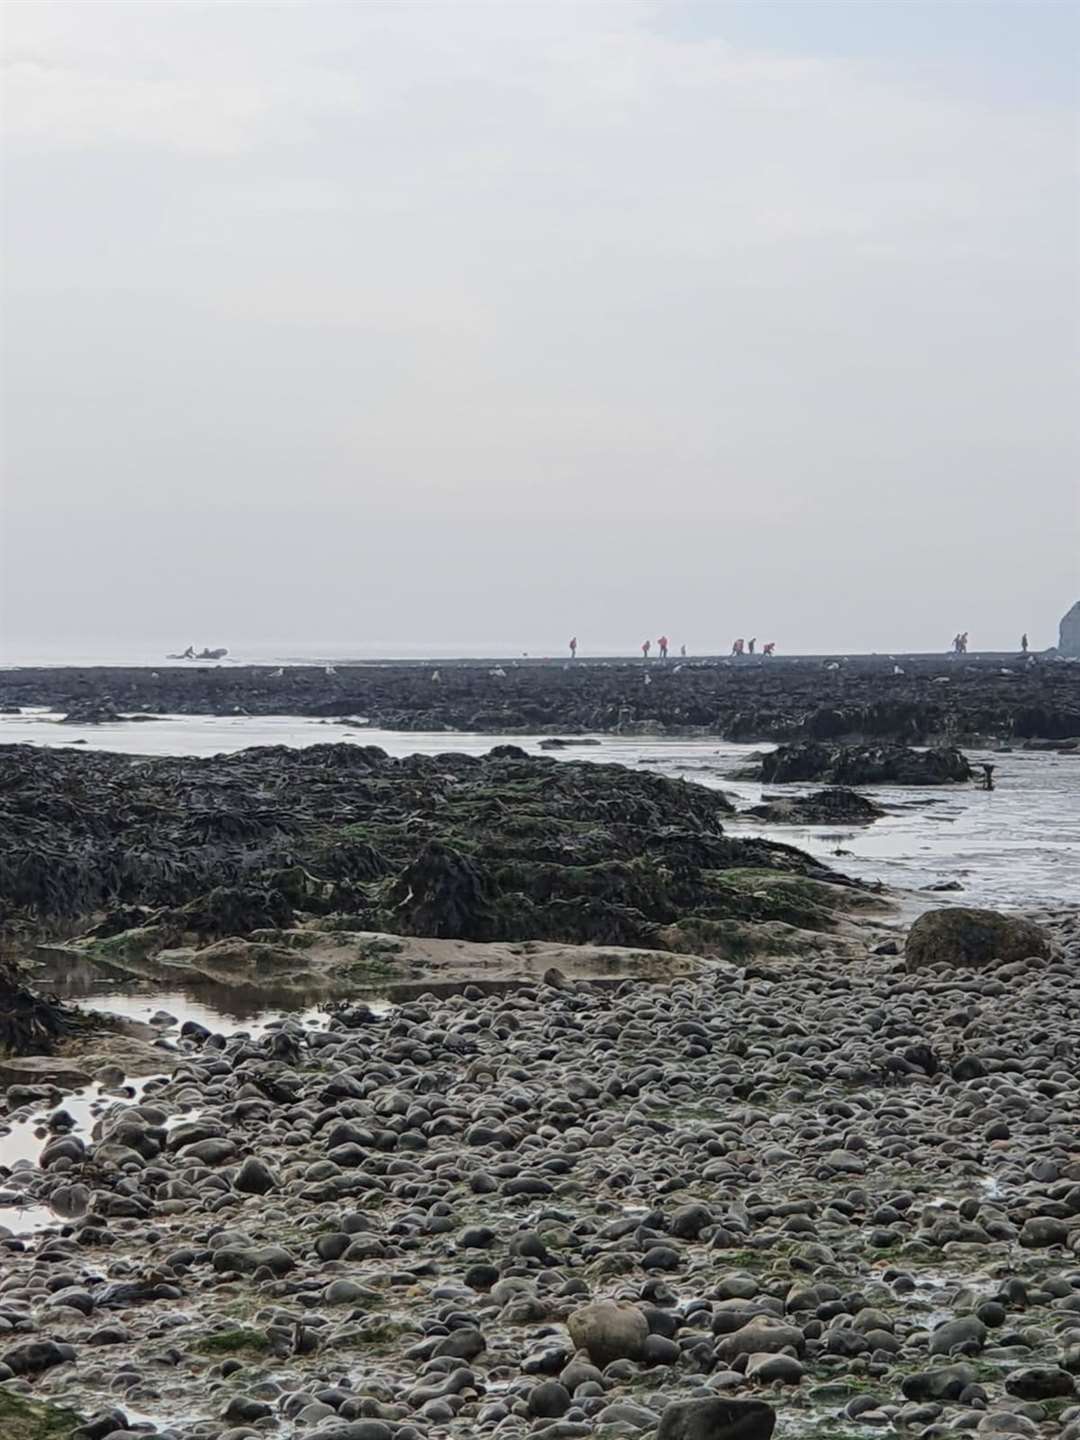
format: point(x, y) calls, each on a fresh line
point(841, 1200)
point(785, 698)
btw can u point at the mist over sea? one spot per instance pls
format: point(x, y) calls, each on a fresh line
point(287, 652)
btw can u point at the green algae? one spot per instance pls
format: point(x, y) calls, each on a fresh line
point(23, 1419)
point(232, 1342)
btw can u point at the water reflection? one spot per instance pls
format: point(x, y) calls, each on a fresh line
point(218, 1006)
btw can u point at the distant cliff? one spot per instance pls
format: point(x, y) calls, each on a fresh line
point(1069, 635)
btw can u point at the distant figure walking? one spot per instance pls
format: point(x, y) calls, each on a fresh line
point(751, 643)
point(663, 644)
point(739, 647)
point(769, 647)
point(1024, 643)
point(573, 648)
point(682, 651)
point(646, 646)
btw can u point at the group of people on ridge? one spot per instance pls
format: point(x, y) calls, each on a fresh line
point(663, 646)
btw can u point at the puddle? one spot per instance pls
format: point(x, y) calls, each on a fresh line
point(25, 1140)
point(220, 1008)
point(223, 1009)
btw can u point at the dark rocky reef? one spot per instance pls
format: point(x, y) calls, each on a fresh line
point(504, 847)
point(864, 765)
point(933, 699)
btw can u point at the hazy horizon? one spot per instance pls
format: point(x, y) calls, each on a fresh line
point(275, 652)
point(531, 321)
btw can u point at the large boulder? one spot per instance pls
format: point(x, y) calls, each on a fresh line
point(972, 939)
point(717, 1420)
point(609, 1330)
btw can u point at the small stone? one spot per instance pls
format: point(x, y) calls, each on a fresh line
point(254, 1177)
point(549, 1400)
point(1040, 1382)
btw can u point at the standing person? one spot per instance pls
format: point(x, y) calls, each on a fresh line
point(646, 646)
point(963, 643)
point(738, 647)
point(573, 648)
point(768, 647)
point(1024, 643)
point(752, 643)
point(663, 644)
point(682, 651)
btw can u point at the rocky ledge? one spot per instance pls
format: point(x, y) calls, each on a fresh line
point(907, 699)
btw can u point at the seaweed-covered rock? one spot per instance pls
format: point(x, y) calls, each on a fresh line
point(174, 852)
point(235, 910)
point(864, 765)
point(444, 894)
point(835, 806)
point(30, 1024)
point(972, 939)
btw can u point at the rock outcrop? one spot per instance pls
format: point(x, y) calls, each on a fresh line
point(1069, 633)
point(864, 765)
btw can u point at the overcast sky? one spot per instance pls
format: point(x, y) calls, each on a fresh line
point(493, 323)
